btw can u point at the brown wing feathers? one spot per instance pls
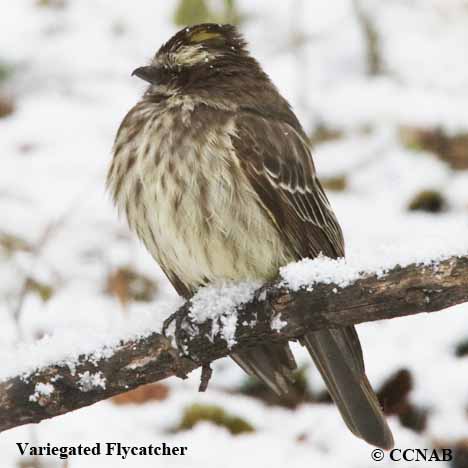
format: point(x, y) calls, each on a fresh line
point(279, 166)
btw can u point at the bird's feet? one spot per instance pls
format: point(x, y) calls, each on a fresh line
point(184, 326)
point(260, 294)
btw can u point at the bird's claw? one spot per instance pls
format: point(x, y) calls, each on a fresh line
point(260, 294)
point(183, 325)
point(182, 322)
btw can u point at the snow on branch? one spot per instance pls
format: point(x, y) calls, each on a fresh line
point(281, 311)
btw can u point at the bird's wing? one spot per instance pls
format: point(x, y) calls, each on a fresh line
point(277, 161)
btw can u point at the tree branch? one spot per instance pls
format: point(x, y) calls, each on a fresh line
point(58, 389)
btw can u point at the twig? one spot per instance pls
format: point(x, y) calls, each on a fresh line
point(371, 39)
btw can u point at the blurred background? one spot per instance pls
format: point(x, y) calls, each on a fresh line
point(382, 90)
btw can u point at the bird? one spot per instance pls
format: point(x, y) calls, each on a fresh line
point(214, 173)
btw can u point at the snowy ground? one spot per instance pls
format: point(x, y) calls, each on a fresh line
point(72, 87)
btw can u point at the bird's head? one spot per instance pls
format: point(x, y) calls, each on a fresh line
point(199, 56)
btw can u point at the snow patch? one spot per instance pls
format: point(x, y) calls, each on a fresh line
point(41, 390)
point(219, 303)
point(89, 381)
point(359, 263)
point(277, 324)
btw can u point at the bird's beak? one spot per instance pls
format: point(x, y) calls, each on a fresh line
point(149, 73)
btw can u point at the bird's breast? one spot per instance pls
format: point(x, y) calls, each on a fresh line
point(191, 204)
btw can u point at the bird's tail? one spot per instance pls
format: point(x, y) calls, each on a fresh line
point(272, 363)
point(337, 354)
